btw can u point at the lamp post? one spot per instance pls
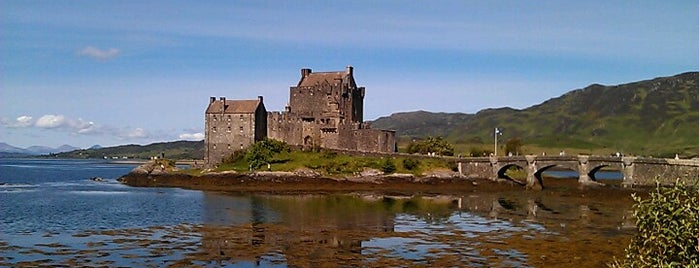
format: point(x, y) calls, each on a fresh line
point(497, 132)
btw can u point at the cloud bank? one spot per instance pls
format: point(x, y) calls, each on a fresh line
point(59, 122)
point(99, 54)
point(192, 136)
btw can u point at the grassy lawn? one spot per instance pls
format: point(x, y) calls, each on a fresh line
point(332, 163)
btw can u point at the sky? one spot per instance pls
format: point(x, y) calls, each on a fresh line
point(136, 72)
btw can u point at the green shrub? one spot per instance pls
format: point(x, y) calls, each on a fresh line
point(388, 166)
point(410, 163)
point(431, 145)
point(668, 229)
point(478, 152)
point(262, 152)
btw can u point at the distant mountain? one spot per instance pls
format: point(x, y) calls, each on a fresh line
point(171, 150)
point(66, 148)
point(652, 117)
point(7, 150)
point(422, 123)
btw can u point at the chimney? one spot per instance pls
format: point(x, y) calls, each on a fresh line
point(260, 98)
point(305, 72)
point(223, 104)
point(350, 69)
point(212, 99)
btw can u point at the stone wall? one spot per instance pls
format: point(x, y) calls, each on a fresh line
point(646, 171)
point(226, 133)
point(375, 140)
point(477, 168)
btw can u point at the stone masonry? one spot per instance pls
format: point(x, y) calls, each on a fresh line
point(232, 125)
point(325, 110)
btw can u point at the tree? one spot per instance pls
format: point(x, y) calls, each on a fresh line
point(262, 152)
point(431, 145)
point(513, 145)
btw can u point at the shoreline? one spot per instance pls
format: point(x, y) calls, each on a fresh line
point(286, 183)
point(291, 183)
point(308, 181)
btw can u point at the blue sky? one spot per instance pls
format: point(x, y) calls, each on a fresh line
point(122, 72)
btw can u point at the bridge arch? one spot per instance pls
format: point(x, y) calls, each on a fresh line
point(594, 172)
point(502, 173)
point(540, 171)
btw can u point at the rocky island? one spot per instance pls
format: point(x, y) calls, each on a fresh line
point(156, 174)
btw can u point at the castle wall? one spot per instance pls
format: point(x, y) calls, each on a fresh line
point(315, 102)
point(375, 140)
point(325, 110)
point(226, 133)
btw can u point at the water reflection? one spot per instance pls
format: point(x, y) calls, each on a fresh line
point(478, 230)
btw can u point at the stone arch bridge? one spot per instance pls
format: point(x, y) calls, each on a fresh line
point(635, 170)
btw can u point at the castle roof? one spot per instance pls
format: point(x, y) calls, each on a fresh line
point(313, 79)
point(233, 106)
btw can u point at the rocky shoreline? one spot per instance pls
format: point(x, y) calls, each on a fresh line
point(305, 180)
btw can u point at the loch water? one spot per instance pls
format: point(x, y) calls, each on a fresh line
point(52, 212)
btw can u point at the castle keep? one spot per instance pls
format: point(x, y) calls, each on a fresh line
point(325, 110)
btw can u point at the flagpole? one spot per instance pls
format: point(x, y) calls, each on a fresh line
point(496, 142)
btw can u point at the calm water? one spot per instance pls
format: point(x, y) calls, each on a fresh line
point(52, 213)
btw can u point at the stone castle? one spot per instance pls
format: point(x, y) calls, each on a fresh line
point(325, 110)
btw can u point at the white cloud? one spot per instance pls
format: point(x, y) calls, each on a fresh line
point(99, 54)
point(192, 136)
point(51, 121)
point(83, 127)
point(19, 122)
point(24, 121)
point(54, 121)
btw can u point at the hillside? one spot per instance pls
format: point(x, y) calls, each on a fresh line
point(172, 150)
point(7, 150)
point(422, 123)
point(653, 117)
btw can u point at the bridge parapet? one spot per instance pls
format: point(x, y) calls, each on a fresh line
point(635, 171)
point(646, 171)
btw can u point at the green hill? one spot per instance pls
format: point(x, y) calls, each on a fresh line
point(658, 117)
point(171, 150)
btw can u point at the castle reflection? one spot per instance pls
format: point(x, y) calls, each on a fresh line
point(334, 230)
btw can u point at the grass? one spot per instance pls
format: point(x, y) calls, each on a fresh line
point(332, 163)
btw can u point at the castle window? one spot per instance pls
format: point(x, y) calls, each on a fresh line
point(229, 117)
point(214, 118)
point(213, 129)
point(214, 146)
point(241, 146)
point(241, 129)
point(329, 130)
point(229, 129)
point(229, 146)
point(241, 117)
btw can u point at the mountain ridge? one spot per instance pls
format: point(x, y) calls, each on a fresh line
point(7, 149)
point(658, 116)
